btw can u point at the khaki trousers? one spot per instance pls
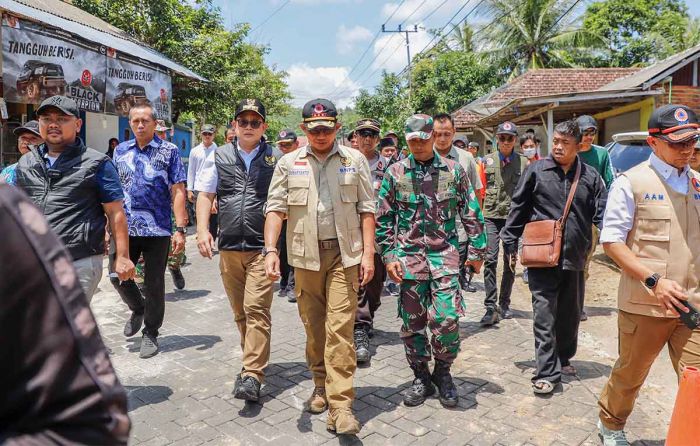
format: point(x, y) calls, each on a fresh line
point(249, 292)
point(641, 338)
point(327, 301)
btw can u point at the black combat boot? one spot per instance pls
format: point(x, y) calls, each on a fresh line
point(443, 380)
point(362, 345)
point(421, 388)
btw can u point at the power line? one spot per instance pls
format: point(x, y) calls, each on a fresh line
point(285, 3)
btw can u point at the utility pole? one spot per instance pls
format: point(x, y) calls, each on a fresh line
point(408, 49)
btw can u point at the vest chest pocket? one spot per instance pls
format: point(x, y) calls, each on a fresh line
point(490, 173)
point(445, 202)
point(298, 190)
point(654, 223)
point(348, 188)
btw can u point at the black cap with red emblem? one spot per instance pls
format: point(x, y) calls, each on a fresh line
point(507, 128)
point(319, 112)
point(674, 123)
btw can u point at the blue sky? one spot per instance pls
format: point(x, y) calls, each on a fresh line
point(319, 42)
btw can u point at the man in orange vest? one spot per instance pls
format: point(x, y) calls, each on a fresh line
point(651, 229)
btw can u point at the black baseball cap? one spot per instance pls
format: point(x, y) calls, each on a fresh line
point(674, 123)
point(64, 104)
point(474, 144)
point(387, 142)
point(586, 122)
point(286, 135)
point(507, 128)
point(319, 112)
point(30, 127)
point(253, 105)
point(368, 124)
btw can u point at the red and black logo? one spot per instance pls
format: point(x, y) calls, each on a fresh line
point(86, 78)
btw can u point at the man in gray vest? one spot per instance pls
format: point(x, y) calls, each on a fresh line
point(651, 229)
point(503, 169)
point(239, 180)
point(78, 189)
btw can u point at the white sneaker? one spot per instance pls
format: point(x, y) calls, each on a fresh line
point(611, 437)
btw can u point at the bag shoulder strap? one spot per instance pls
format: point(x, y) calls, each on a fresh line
point(574, 185)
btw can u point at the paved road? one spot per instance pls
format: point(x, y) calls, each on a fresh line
point(183, 395)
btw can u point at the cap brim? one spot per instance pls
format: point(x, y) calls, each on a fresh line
point(19, 130)
point(368, 127)
point(320, 123)
point(680, 135)
point(243, 111)
point(507, 132)
point(418, 135)
point(44, 108)
point(286, 140)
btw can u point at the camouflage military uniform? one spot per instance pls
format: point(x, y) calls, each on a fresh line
point(416, 226)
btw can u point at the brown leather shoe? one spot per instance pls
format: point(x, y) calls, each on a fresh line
point(317, 403)
point(342, 421)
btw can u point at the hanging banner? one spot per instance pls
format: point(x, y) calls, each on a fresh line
point(37, 63)
point(129, 84)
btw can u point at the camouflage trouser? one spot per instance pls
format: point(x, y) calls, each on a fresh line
point(174, 261)
point(437, 304)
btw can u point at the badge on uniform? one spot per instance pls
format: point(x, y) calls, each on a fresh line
point(345, 161)
point(270, 160)
point(489, 161)
point(696, 184)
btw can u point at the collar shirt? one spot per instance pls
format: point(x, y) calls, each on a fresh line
point(200, 158)
point(619, 215)
point(541, 194)
point(247, 157)
point(147, 174)
point(505, 160)
point(324, 209)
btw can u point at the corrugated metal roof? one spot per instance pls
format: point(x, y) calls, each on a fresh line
point(70, 18)
point(638, 79)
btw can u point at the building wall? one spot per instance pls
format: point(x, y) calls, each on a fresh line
point(99, 128)
point(681, 94)
point(626, 122)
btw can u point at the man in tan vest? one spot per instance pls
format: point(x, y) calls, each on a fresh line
point(325, 191)
point(651, 229)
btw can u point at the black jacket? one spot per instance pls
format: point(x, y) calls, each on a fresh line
point(69, 196)
point(242, 195)
point(541, 195)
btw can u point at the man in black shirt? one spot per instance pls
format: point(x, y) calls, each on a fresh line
point(557, 293)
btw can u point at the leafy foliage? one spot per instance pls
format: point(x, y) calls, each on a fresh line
point(193, 34)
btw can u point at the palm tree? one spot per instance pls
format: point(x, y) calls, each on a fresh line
point(531, 34)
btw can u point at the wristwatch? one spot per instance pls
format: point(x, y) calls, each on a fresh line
point(266, 251)
point(181, 230)
point(651, 281)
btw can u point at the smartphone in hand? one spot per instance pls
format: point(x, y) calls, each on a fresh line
point(692, 318)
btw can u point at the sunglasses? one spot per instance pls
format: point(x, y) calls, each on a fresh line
point(321, 131)
point(367, 134)
point(590, 132)
point(685, 145)
point(506, 138)
point(244, 123)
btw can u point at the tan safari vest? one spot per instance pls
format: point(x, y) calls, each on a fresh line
point(344, 180)
point(665, 237)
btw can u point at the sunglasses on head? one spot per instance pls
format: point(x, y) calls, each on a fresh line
point(506, 138)
point(243, 123)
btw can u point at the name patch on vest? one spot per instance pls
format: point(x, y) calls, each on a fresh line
point(298, 172)
point(347, 170)
point(654, 197)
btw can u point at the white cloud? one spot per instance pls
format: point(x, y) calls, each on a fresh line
point(390, 49)
point(306, 83)
point(348, 38)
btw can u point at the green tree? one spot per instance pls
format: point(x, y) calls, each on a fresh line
point(640, 31)
point(193, 34)
point(388, 103)
point(449, 80)
point(531, 34)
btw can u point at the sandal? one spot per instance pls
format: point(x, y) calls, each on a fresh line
point(542, 387)
point(568, 370)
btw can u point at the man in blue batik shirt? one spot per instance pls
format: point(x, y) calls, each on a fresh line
point(152, 176)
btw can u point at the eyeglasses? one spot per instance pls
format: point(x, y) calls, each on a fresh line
point(506, 138)
point(367, 134)
point(590, 132)
point(321, 131)
point(244, 123)
point(685, 145)
point(61, 120)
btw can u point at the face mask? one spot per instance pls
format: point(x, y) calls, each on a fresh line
point(530, 153)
